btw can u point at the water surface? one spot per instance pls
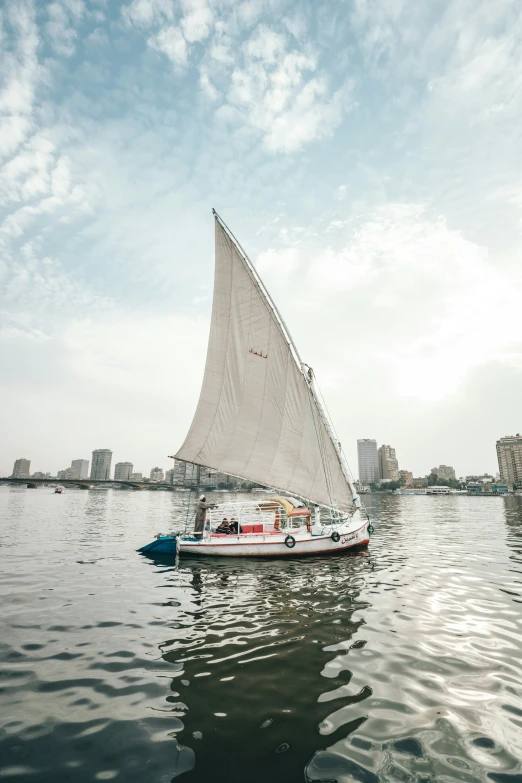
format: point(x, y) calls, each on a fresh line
point(402, 662)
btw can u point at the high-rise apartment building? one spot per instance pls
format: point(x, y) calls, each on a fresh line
point(156, 474)
point(185, 473)
point(21, 468)
point(509, 454)
point(81, 466)
point(368, 461)
point(178, 472)
point(444, 472)
point(101, 464)
point(123, 471)
point(388, 464)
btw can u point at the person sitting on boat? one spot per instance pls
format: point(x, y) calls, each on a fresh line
point(201, 514)
point(233, 527)
point(224, 527)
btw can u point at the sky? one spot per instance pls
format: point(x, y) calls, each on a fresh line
point(366, 153)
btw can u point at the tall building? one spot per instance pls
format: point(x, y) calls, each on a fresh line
point(444, 472)
point(388, 464)
point(21, 468)
point(178, 472)
point(81, 467)
point(101, 464)
point(509, 454)
point(406, 478)
point(368, 461)
point(123, 471)
point(185, 474)
point(225, 478)
point(156, 474)
point(137, 477)
point(68, 473)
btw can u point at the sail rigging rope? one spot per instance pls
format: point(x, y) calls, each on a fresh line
point(324, 449)
point(188, 509)
point(330, 420)
point(322, 455)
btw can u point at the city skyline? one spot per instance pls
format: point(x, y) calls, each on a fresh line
point(380, 466)
point(382, 455)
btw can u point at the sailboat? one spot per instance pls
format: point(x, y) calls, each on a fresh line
point(260, 418)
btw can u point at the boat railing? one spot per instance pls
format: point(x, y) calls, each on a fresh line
point(263, 517)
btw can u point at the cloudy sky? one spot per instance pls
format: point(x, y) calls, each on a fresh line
point(368, 155)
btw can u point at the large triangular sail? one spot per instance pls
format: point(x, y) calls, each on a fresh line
point(258, 416)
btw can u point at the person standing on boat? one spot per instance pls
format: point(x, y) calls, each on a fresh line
point(201, 514)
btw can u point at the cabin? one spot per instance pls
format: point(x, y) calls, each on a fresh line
point(269, 516)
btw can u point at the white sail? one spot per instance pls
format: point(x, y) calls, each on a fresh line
point(257, 415)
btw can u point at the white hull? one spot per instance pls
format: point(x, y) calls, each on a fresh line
point(352, 533)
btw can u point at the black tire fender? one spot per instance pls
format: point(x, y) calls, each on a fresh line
point(336, 537)
point(290, 542)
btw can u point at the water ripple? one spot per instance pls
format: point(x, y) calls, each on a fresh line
point(399, 663)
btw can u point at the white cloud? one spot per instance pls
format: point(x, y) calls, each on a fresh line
point(146, 13)
point(20, 75)
point(249, 12)
point(207, 86)
point(106, 350)
point(61, 25)
point(220, 52)
point(265, 44)
point(171, 42)
point(444, 308)
point(197, 20)
point(13, 130)
point(296, 24)
point(37, 182)
point(277, 262)
point(37, 292)
point(278, 97)
point(272, 87)
point(471, 59)
point(341, 192)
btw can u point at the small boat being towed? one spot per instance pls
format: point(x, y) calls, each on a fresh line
point(260, 418)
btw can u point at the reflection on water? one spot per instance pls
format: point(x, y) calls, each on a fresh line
point(398, 663)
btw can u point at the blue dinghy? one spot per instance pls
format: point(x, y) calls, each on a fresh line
point(162, 545)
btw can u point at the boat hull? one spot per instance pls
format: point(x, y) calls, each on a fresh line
point(350, 536)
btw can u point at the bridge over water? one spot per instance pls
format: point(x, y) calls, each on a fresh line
point(88, 483)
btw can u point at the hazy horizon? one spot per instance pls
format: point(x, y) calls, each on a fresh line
point(366, 155)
